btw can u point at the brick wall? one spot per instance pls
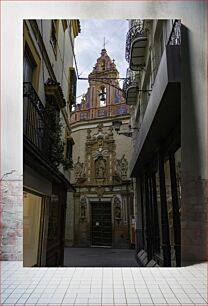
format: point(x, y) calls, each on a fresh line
point(11, 217)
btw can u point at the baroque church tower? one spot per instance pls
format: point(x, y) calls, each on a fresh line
point(101, 210)
point(104, 97)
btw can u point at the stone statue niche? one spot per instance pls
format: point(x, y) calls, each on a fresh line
point(79, 169)
point(123, 167)
point(117, 210)
point(100, 168)
point(83, 208)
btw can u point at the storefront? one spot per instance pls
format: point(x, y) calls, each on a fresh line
point(160, 201)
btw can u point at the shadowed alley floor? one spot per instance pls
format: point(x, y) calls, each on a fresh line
point(99, 257)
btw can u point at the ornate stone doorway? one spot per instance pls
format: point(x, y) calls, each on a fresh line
point(101, 224)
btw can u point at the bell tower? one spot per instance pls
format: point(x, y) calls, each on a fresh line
point(104, 97)
point(100, 162)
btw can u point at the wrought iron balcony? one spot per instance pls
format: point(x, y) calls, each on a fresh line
point(136, 42)
point(36, 124)
point(175, 36)
point(130, 87)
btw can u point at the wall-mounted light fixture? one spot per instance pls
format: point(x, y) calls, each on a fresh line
point(117, 125)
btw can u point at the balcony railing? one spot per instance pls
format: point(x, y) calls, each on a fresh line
point(175, 36)
point(130, 79)
point(136, 41)
point(137, 30)
point(130, 86)
point(36, 124)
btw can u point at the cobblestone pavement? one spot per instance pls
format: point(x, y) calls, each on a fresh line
point(99, 257)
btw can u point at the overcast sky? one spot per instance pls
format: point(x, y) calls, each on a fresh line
point(90, 41)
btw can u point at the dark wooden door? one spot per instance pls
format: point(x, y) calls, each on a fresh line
point(101, 224)
point(56, 227)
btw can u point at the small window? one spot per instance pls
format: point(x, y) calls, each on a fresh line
point(28, 67)
point(31, 60)
point(54, 34)
point(69, 146)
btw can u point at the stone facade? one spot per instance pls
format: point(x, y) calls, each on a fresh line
point(11, 217)
point(100, 158)
point(102, 178)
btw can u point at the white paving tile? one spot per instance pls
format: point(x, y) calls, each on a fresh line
point(87, 285)
point(107, 301)
point(69, 300)
point(81, 301)
point(172, 301)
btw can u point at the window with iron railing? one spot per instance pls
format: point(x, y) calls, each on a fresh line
point(36, 124)
point(42, 127)
point(28, 67)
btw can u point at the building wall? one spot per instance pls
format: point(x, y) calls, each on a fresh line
point(11, 183)
point(193, 134)
point(152, 114)
point(11, 217)
point(194, 137)
point(51, 44)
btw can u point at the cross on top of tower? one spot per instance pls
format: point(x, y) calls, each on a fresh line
point(104, 42)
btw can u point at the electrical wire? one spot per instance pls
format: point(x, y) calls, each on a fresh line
point(75, 61)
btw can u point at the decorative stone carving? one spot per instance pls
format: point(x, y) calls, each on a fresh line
point(110, 133)
point(117, 168)
point(79, 171)
point(100, 167)
point(89, 134)
point(100, 190)
point(123, 167)
point(100, 127)
point(117, 212)
point(100, 144)
point(83, 208)
point(117, 209)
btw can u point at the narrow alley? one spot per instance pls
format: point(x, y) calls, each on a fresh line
point(99, 257)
